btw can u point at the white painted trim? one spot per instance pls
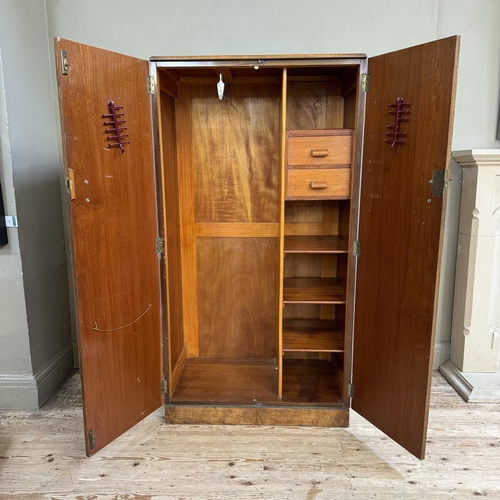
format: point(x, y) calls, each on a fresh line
point(473, 387)
point(30, 392)
point(477, 157)
point(442, 350)
point(18, 392)
point(454, 376)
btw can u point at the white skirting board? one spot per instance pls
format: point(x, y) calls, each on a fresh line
point(473, 387)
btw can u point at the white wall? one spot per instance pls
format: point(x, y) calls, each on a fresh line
point(31, 161)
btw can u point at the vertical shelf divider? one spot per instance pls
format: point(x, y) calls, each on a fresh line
point(281, 229)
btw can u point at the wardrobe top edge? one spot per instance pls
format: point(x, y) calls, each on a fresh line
point(263, 57)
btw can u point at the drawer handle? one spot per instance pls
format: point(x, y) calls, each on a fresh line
point(319, 185)
point(319, 153)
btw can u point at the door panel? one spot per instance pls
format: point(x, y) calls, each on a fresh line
point(400, 234)
point(113, 231)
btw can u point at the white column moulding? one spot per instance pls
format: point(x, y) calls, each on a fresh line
point(476, 307)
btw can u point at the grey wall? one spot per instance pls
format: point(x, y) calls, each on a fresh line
point(34, 329)
point(194, 27)
point(38, 354)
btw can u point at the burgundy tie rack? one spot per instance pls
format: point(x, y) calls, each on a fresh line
point(400, 115)
point(116, 129)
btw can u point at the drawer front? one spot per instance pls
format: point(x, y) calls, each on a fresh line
point(318, 183)
point(320, 150)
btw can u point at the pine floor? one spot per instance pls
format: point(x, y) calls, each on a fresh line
point(42, 456)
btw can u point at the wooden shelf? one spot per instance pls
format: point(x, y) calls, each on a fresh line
point(314, 335)
point(312, 291)
point(315, 244)
point(310, 380)
point(207, 381)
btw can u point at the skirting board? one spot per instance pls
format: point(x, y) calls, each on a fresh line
point(50, 377)
point(473, 387)
point(30, 392)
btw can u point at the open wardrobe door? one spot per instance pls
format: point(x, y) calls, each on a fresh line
point(107, 143)
point(409, 117)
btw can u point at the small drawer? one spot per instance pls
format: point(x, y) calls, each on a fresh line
point(334, 148)
point(318, 183)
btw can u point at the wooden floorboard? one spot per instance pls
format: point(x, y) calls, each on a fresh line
point(42, 456)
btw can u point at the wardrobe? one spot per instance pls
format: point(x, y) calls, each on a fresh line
point(256, 239)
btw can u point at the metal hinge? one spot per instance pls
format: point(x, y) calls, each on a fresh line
point(365, 82)
point(64, 63)
point(164, 386)
point(438, 183)
point(160, 245)
point(92, 439)
point(350, 390)
point(355, 248)
point(151, 85)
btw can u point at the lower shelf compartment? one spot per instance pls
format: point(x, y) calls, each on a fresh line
point(312, 335)
point(255, 382)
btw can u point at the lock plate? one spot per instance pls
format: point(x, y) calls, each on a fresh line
point(438, 183)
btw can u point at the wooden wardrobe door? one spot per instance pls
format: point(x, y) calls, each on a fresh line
point(113, 223)
point(400, 234)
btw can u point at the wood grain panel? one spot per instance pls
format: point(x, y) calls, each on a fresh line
point(172, 229)
point(303, 265)
point(313, 291)
point(312, 335)
point(236, 230)
point(186, 213)
point(210, 380)
point(113, 231)
point(325, 147)
point(282, 182)
point(400, 235)
point(304, 228)
point(247, 381)
point(313, 183)
point(237, 293)
point(315, 244)
point(315, 417)
point(177, 369)
point(311, 381)
point(314, 105)
point(236, 153)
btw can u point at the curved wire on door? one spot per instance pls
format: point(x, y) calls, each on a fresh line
point(97, 329)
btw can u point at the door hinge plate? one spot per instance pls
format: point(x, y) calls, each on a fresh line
point(438, 183)
point(365, 82)
point(160, 245)
point(64, 63)
point(355, 248)
point(151, 85)
point(92, 439)
point(164, 386)
point(70, 184)
point(350, 390)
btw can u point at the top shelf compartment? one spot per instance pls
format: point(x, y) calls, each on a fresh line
point(315, 244)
